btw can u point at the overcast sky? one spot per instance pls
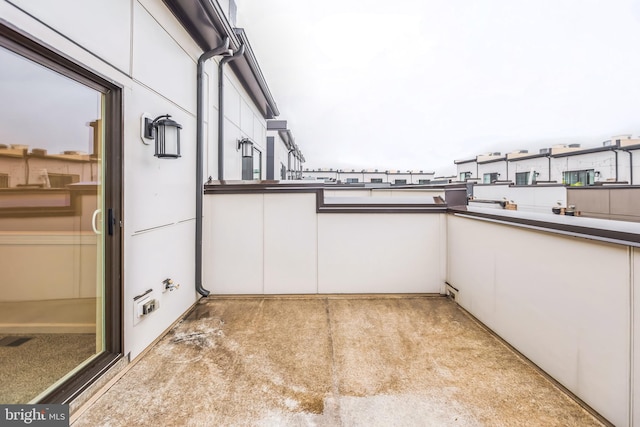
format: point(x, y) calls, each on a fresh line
point(416, 84)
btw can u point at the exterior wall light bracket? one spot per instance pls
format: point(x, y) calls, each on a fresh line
point(166, 134)
point(245, 145)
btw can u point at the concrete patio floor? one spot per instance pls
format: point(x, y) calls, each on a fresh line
point(332, 361)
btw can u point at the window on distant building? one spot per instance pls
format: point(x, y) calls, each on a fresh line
point(465, 176)
point(424, 181)
point(488, 178)
point(283, 171)
point(400, 181)
point(522, 178)
point(4, 180)
point(352, 180)
point(376, 180)
point(578, 178)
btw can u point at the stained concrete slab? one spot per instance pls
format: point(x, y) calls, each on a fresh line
point(332, 361)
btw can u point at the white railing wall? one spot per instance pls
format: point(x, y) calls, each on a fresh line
point(259, 243)
point(566, 303)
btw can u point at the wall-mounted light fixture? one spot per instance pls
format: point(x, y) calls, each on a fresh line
point(245, 145)
point(597, 174)
point(165, 132)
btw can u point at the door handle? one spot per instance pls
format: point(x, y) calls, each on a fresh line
point(93, 221)
point(111, 221)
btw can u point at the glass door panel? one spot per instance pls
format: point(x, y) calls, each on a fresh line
point(51, 223)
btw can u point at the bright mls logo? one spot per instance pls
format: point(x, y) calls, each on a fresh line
point(34, 415)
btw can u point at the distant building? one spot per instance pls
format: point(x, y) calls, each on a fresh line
point(369, 176)
point(284, 158)
point(613, 162)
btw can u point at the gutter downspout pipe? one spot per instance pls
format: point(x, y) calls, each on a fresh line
point(630, 164)
point(223, 61)
point(222, 49)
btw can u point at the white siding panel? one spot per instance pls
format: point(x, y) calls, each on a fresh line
point(379, 253)
point(160, 63)
point(232, 157)
point(151, 258)
point(291, 246)
point(158, 191)
point(100, 26)
point(233, 257)
point(553, 299)
point(246, 120)
point(232, 100)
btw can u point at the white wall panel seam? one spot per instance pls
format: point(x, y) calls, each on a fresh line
point(69, 39)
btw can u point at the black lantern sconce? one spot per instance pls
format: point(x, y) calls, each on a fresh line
point(166, 133)
point(245, 145)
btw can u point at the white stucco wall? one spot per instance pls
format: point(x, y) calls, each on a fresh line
point(603, 161)
point(493, 167)
point(536, 164)
point(467, 167)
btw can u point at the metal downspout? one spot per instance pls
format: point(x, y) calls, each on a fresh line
point(223, 61)
point(289, 167)
point(630, 165)
point(223, 48)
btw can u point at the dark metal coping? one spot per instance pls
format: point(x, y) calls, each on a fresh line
point(206, 23)
point(511, 218)
point(321, 206)
point(608, 235)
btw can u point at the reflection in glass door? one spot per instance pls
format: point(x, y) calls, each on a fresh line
point(51, 227)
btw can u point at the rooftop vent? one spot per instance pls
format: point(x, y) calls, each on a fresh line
point(606, 143)
point(545, 150)
point(574, 145)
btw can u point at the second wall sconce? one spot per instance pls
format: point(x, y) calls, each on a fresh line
point(245, 145)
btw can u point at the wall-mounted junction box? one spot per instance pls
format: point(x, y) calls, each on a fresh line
point(144, 305)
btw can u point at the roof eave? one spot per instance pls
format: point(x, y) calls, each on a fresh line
point(250, 74)
point(207, 25)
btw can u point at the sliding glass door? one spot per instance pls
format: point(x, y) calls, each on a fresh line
point(58, 239)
